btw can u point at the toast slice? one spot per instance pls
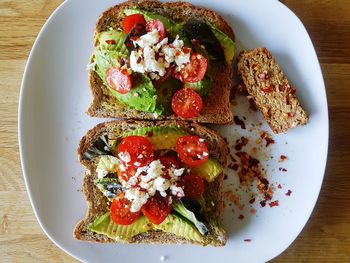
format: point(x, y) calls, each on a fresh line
point(98, 204)
point(270, 90)
point(216, 106)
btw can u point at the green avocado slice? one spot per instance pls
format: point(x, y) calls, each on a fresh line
point(227, 44)
point(113, 40)
point(172, 224)
point(104, 225)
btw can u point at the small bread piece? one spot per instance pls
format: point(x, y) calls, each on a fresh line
point(98, 203)
point(216, 106)
point(270, 89)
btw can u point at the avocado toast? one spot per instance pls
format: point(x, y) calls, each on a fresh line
point(184, 208)
point(172, 61)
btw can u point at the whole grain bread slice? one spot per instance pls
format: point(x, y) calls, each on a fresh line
point(98, 204)
point(216, 107)
point(270, 90)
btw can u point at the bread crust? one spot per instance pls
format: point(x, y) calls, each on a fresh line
point(216, 107)
point(98, 204)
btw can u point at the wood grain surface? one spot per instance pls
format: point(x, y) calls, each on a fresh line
point(326, 237)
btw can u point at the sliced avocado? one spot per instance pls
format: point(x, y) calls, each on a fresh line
point(209, 170)
point(104, 60)
point(201, 87)
point(160, 137)
point(104, 225)
point(142, 96)
point(113, 40)
point(181, 227)
point(165, 92)
point(227, 44)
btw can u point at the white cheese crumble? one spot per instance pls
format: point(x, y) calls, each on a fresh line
point(149, 179)
point(124, 156)
point(154, 58)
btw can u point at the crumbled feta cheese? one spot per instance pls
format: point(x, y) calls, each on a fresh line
point(136, 62)
point(124, 156)
point(182, 59)
point(177, 191)
point(137, 198)
point(177, 42)
point(205, 154)
point(149, 39)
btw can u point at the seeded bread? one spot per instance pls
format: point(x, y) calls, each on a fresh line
point(216, 107)
point(270, 89)
point(98, 204)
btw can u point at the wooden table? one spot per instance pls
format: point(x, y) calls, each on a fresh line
point(326, 237)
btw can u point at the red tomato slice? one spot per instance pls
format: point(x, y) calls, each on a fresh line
point(119, 80)
point(193, 186)
point(139, 148)
point(169, 161)
point(158, 25)
point(192, 150)
point(157, 208)
point(186, 103)
point(130, 21)
point(195, 70)
point(120, 211)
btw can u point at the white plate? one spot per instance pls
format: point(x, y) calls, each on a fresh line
point(52, 119)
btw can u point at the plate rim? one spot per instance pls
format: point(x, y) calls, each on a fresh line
point(20, 129)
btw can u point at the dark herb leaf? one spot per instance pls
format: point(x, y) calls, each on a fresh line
point(99, 147)
point(137, 31)
point(201, 32)
point(180, 208)
point(109, 186)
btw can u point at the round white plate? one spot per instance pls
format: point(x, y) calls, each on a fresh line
point(52, 119)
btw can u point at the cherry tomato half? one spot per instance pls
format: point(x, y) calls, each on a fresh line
point(157, 25)
point(139, 148)
point(186, 103)
point(169, 161)
point(192, 150)
point(157, 208)
point(120, 211)
point(119, 80)
point(193, 185)
point(130, 21)
point(195, 70)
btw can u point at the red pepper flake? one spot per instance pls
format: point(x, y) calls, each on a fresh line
point(254, 66)
point(251, 201)
point(239, 122)
point(263, 203)
point(283, 158)
point(149, 134)
point(269, 141)
point(241, 217)
point(186, 50)
point(195, 42)
point(279, 186)
point(247, 240)
point(289, 192)
point(110, 41)
point(233, 166)
point(282, 88)
point(274, 203)
point(268, 89)
point(282, 169)
point(240, 143)
point(252, 211)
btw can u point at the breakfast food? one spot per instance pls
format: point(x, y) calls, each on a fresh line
point(152, 182)
point(155, 60)
point(270, 90)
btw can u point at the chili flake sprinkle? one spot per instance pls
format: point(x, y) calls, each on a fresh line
point(274, 203)
point(239, 122)
point(247, 240)
point(289, 192)
point(241, 217)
